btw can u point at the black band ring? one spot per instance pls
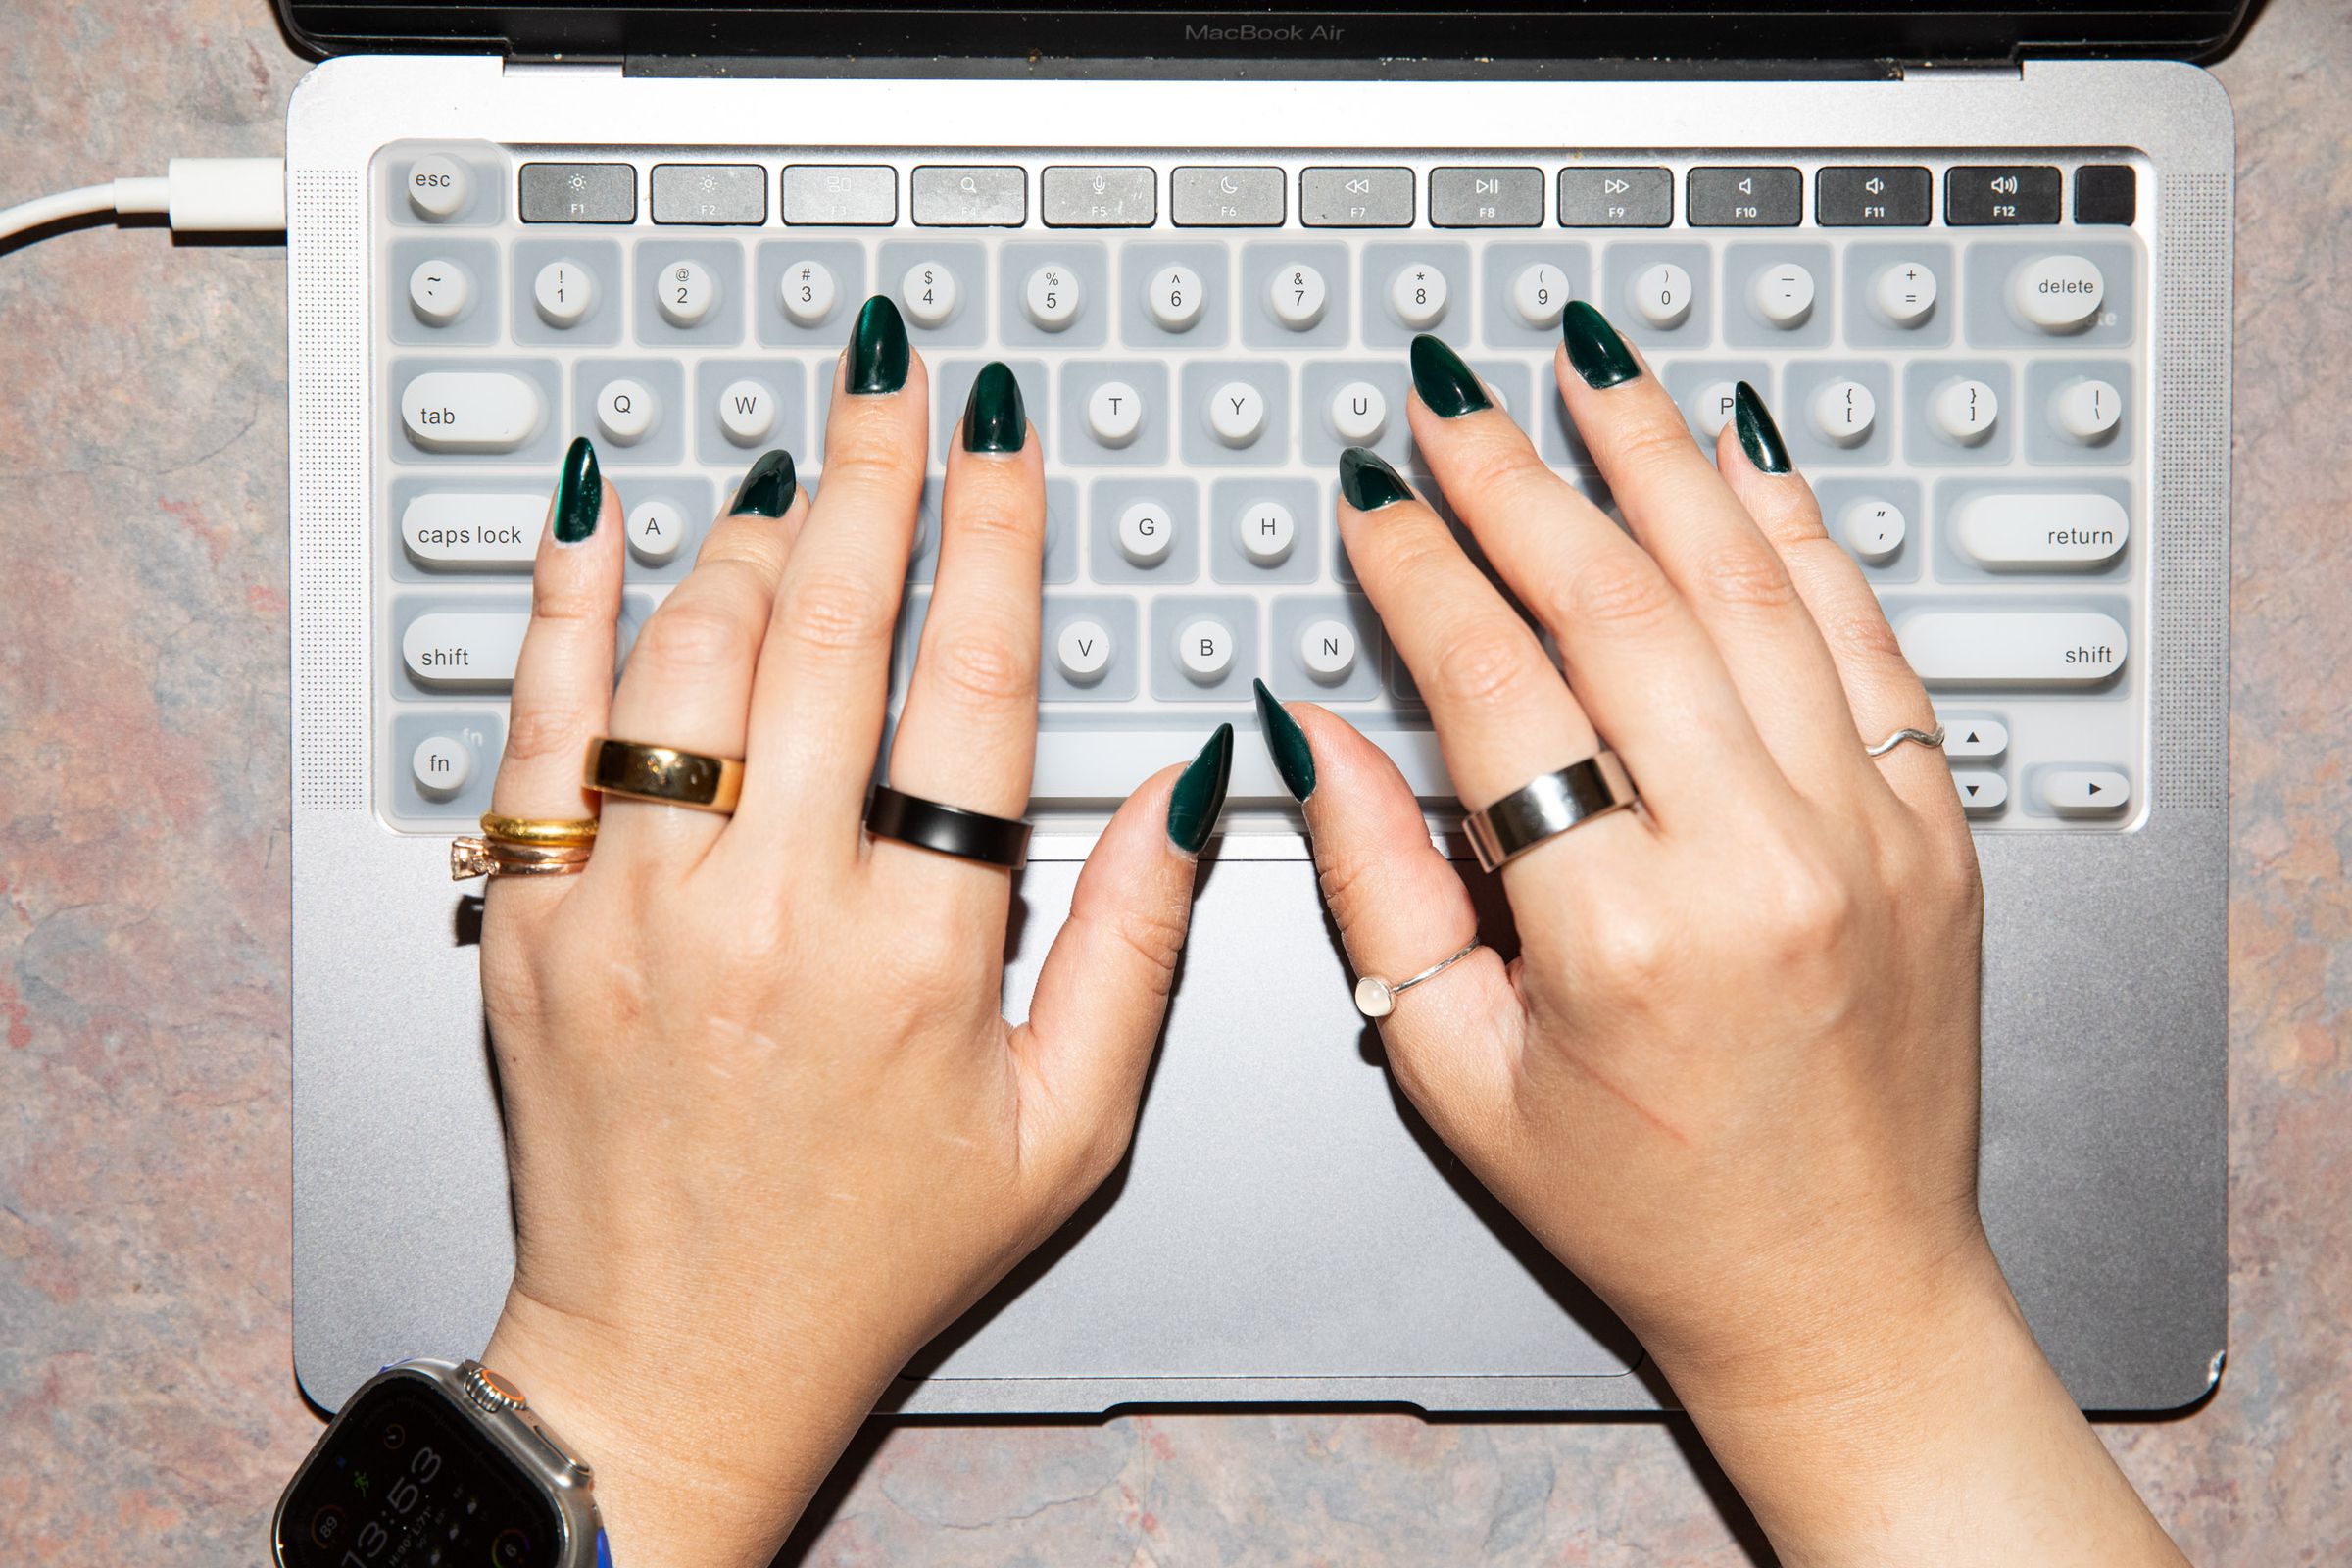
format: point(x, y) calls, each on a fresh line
point(947, 829)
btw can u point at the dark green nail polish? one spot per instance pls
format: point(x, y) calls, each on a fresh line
point(1287, 742)
point(1368, 482)
point(767, 488)
point(878, 348)
point(1446, 384)
point(1199, 794)
point(1598, 353)
point(994, 420)
point(580, 494)
point(1759, 437)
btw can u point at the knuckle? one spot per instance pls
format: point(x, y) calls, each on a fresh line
point(1155, 937)
point(835, 612)
point(1486, 665)
point(1794, 521)
point(567, 598)
point(997, 520)
point(1502, 469)
point(1640, 444)
point(864, 453)
point(687, 641)
point(1860, 631)
point(1633, 955)
point(1621, 592)
point(1811, 910)
point(992, 666)
point(1746, 574)
point(537, 732)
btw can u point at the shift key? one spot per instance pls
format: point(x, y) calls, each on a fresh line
point(463, 650)
point(2011, 648)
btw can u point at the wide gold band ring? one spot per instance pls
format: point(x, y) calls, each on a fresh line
point(562, 830)
point(662, 775)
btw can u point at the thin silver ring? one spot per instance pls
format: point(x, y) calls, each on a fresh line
point(1376, 998)
point(1547, 806)
point(1933, 739)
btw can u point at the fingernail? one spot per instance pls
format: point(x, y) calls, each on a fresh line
point(579, 493)
point(994, 420)
point(1288, 744)
point(1446, 384)
point(878, 348)
point(767, 487)
point(1199, 794)
point(1598, 353)
point(1758, 436)
point(1368, 482)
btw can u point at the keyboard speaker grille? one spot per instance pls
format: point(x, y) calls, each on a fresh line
point(326, 313)
point(2191, 675)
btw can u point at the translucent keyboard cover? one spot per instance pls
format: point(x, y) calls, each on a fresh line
point(1969, 402)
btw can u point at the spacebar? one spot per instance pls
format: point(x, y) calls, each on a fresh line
point(1107, 764)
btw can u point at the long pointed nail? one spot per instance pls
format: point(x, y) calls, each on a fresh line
point(994, 420)
point(1368, 482)
point(1448, 387)
point(767, 487)
point(1287, 742)
point(878, 348)
point(1598, 353)
point(1759, 437)
point(580, 494)
point(1199, 796)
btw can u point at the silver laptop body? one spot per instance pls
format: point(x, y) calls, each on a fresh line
point(1286, 1229)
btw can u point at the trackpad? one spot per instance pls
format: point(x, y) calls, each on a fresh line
point(1285, 1212)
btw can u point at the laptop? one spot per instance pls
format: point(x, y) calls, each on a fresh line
point(1977, 260)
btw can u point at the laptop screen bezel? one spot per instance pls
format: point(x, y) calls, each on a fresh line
point(1311, 37)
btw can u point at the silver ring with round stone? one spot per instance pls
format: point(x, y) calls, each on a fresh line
point(1376, 998)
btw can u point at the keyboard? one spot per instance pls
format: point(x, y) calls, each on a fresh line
point(1954, 349)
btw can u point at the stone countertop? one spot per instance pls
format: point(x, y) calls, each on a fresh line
point(147, 1404)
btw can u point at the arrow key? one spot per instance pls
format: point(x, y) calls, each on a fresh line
point(1982, 793)
point(2086, 791)
point(1975, 737)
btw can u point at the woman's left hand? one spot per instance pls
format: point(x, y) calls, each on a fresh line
point(767, 1129)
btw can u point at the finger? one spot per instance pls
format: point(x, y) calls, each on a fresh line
point(1881, 693)
point(824, 672)
point(968, 733)
point(563, 672)
point(1683, 512)
point(1636, 659)
point(1400, 907)
point(1103, 991)
point(1501, 711)
point(688, 682)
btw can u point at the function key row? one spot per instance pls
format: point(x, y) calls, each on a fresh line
point(1256, 196)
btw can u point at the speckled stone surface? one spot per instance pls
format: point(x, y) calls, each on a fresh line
point(148, 1412)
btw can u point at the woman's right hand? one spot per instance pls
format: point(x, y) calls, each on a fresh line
point(1732, 1079)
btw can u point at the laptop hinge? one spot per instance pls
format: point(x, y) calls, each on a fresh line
point(1119, 69)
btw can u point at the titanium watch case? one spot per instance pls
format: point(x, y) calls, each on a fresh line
point(513, 1430)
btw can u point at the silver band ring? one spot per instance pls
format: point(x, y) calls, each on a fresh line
point(1376, 998)
point(1547, 806)
point(1931, 739)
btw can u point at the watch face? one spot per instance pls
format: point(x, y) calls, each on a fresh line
point(406, 1481)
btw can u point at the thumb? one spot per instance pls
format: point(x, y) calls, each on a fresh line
point(1103, 989)
point(1400, 907)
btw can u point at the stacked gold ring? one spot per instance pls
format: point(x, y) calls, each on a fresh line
point(522, 846)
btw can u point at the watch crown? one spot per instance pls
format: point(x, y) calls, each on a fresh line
point(488, 1390)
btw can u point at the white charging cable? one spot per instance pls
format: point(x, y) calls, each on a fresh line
point(198, 195)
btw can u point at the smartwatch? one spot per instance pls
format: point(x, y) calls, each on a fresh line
point(438, 1462)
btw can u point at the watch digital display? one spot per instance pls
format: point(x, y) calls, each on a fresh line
point(406, 1481)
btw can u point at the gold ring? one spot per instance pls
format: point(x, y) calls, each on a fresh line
point(662, 775)
point(539, 830)
point(470, 857)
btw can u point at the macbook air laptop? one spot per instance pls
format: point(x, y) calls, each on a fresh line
point(1977, 258)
